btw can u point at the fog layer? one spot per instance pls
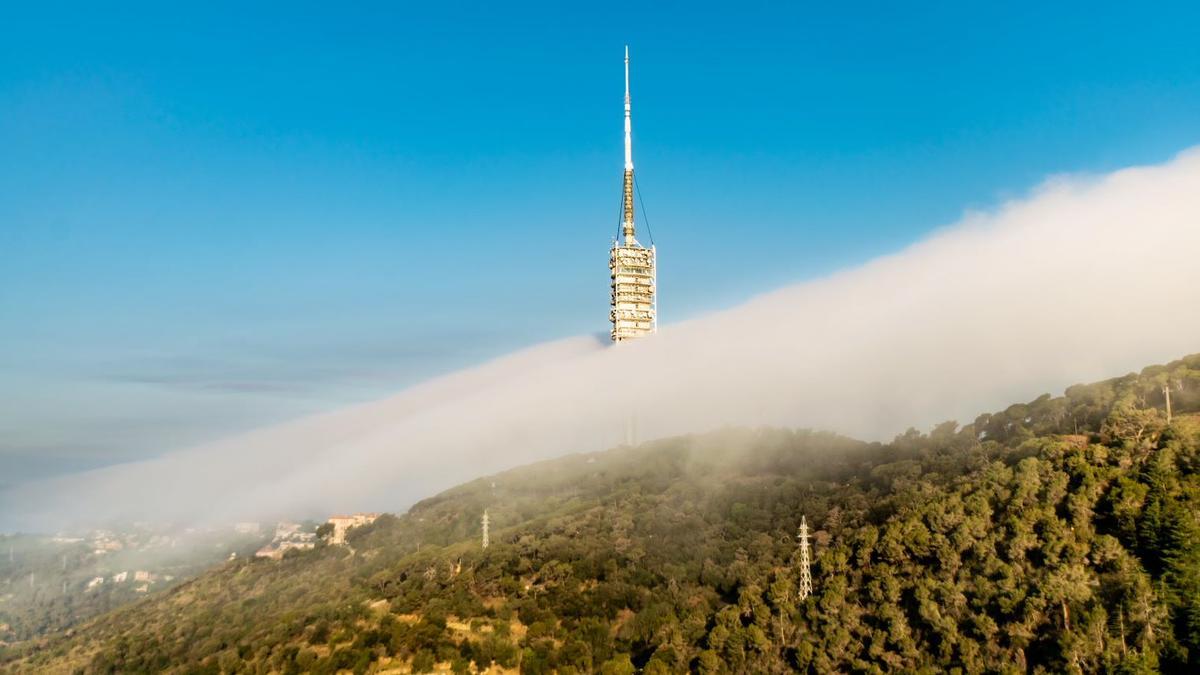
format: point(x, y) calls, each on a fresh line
point(1087, 278)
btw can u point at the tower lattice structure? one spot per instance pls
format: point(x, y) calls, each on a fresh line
point(486, 521)
point(806, 584)
point(632, 266)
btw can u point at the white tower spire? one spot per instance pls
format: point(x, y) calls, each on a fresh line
point(628, 122)
point(627, 228)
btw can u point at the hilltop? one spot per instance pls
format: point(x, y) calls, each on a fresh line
point(1057, 535)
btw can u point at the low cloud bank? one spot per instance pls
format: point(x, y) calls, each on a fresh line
point(1087, 278)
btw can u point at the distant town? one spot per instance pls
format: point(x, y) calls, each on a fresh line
point(49, 582)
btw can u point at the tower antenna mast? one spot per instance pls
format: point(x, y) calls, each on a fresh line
point(627, 228)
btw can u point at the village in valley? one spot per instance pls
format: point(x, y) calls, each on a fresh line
point(57, 580)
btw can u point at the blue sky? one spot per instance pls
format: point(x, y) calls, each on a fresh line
point(214, 217)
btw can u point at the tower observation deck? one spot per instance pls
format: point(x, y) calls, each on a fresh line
point(634, 301)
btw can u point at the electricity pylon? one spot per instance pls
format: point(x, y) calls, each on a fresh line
point(806, 585)
point(486, 541)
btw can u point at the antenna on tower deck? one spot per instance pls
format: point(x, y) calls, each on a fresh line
point(627, 229)
point(628, 123)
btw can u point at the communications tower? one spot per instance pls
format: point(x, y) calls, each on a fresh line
point(634, 308)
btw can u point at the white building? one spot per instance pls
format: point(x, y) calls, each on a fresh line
point(343, 523)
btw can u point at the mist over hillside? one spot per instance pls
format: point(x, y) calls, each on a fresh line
point(1057, 535)
point(1087, 277)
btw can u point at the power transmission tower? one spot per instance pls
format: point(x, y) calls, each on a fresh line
point(806, 585)
point(486, 522)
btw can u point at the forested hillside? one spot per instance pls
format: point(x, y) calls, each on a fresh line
point(1060, 535)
